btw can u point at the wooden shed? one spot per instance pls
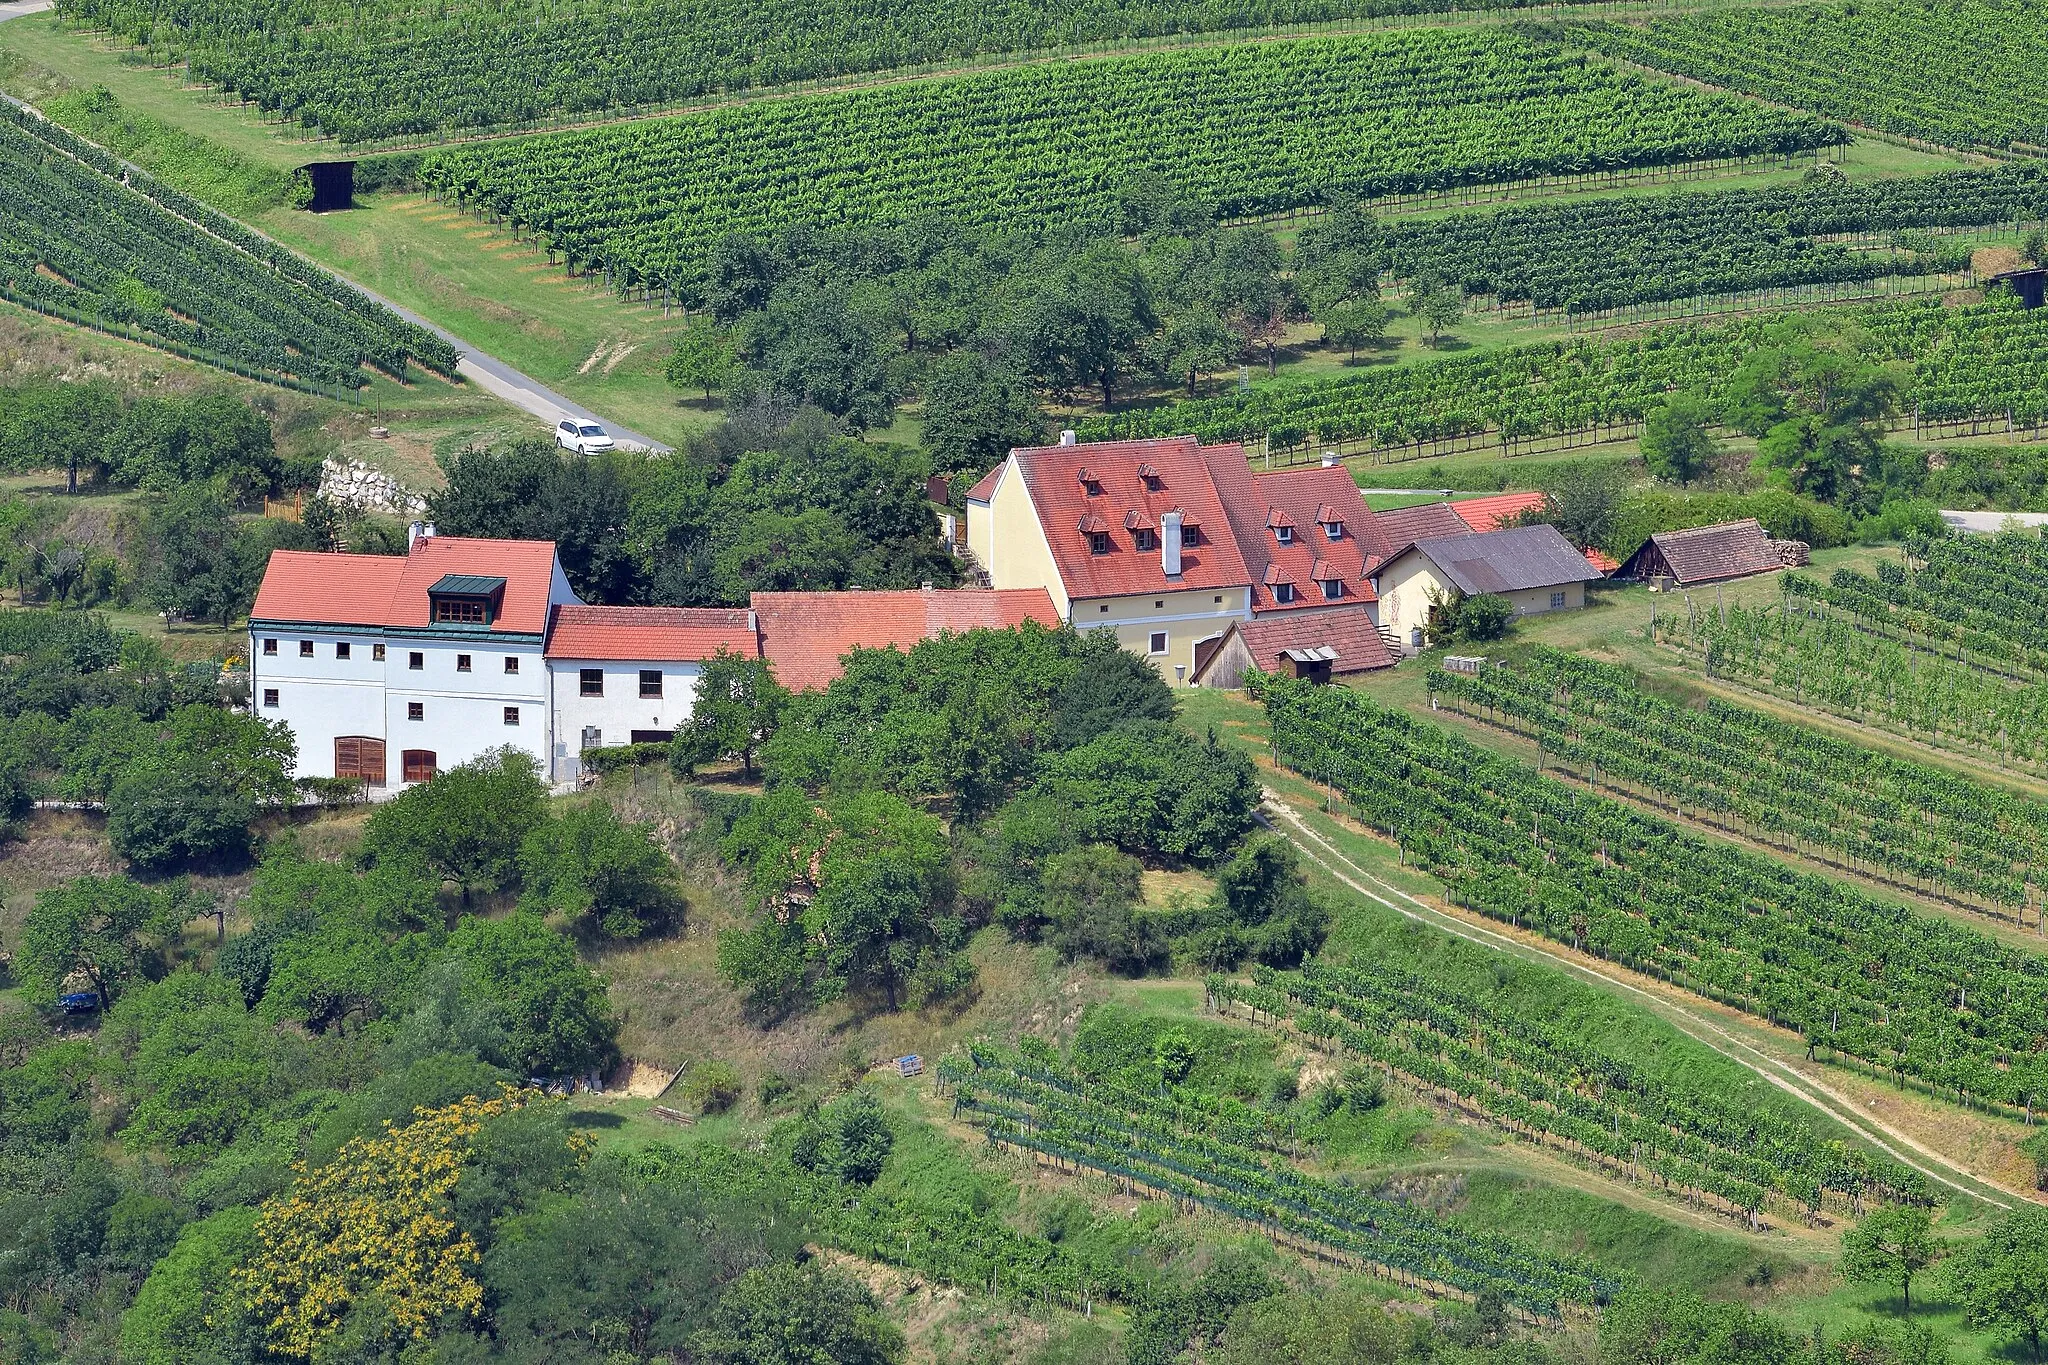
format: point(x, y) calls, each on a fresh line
point(1320, 646)
point(1705, 554)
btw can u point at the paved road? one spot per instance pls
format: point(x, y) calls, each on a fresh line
point(487, 372)
point(14, 9)
point(1990, 523)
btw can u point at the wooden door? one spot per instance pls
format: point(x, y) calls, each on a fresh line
point(359, 756)
point(419, 764)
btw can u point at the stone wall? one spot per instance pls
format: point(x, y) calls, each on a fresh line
point(358, 487)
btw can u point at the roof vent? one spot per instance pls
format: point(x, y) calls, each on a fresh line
point(1068, 438)
point(1329, 459)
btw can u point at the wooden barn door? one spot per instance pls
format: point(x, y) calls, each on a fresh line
point(420, 764)
point(361, 757)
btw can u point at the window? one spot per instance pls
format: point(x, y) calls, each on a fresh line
point(1284, 534)
point(270, 696)
point(1334, 530)
point(1557, 601)
point(511, 715)
point(1283, 593)
point(377, 654)
point(305, 649)
point(462, 663)
point(1158, 643)
point(511, 663)
point(341, 650)
point(1333, 588)
point(1098, 542)
point(591, 681)
point(415, 710)
point(415, 661)
point(1190, 536)
point(1104, 607)
point(1219, 599)
point(650, 682)
point(1144, 539)
point(1157, 605)
point(270, 646)
point(420, 764)
point(593, 737)
point(461, 610)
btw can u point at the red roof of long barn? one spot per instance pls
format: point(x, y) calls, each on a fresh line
point(1497, 510)
point(651, 633)
point(806, 634)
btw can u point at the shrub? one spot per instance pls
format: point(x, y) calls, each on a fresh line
point(713, 1087)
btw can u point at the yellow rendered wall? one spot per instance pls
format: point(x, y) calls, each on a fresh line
point(1186, 617)
point(1012, 546)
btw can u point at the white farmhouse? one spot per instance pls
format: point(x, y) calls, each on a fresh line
point(390, 669)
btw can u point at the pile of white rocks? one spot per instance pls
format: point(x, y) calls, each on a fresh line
point(358, 487)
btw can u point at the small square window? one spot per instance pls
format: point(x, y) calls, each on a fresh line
point(1334, 530)
point(650, 682)
point(1332, 589)
point(1143, 539)
point(1157, 605)
point(462, 663)
point(591, 681)
point(341, 650)
point(270, 696)
point(377, 654)
point(1283, 592)
point(415, 661)
point(511, 715)
point(1219, 599)
point(270, 646)
point(305, 649)
point(1190, 537)
point(1158, 643)
point(511, 663)
point(415, 710)
point(1104, 607)
point(1557, 601)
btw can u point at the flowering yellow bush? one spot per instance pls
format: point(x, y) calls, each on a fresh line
point(372, 1221)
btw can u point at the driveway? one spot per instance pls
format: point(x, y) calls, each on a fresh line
point(1990, 523)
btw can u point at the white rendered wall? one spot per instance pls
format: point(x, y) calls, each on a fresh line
point(462, 714)
point(621, 710)
point(322, 697)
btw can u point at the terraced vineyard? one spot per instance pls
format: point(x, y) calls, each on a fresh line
point(138, 259)
point(1607, 253)
point(1861, 978)
point(1030, 148)
point(389, 68)
point(1983, 597)
point(1529, 1076)
point(1984, 358)
point(1731, 766)
point(1030, 1101)
point(1965, 73)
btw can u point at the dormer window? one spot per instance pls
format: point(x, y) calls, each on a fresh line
point(465, 599)
point(1334, 530)
point(1333, 588)
point(1151, 478)
point(1190, 535)
point(1090, 483)
point(1283, 593)
point(1097, 531)
point(1281, 525)
point(1284, 534)
point(1098, 542)
point(1332, 521)
point(1144, 539)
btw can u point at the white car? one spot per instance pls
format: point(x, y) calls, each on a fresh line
point(585, 438)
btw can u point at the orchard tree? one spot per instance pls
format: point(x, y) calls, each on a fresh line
point(2001, 1279)
point(1678, 443)
point(108, 930)
point(464, 825)
point(737, 707)
point(704, 358)
point(783, 1314)
point(1890, 1246)
point(1362, 322)
point(975, 410)
point(1817, 408)
point(1337, 257)
point(558, 1016)
point(1438, 305)
point(608, 878)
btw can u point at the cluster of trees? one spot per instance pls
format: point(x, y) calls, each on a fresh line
point(1020, 778)
point(980, 325)
point(98, 432)
point(774, 499)
point(89, 714)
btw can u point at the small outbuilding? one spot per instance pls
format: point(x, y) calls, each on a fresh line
point(1533, 567)
point(1706, 554)
point(1320, 646)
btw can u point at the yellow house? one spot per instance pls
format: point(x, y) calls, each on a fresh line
point(1533, 567)
point(1129, 536)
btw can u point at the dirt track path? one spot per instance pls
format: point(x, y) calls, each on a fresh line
point(1900, 1146)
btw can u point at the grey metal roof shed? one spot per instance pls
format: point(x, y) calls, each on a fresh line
point(1518, 559)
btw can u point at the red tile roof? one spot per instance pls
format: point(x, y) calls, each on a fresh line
point(1306, 500)
point(527, 566)
point(1605, 563)
point(1052, 474)
point(1497, 510)
point(329, 589)
point(1348, 630)
point(986, 488)
point(1406, 525)
point(805, 634)
point(652, 633)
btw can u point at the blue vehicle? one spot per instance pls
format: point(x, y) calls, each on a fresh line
point(79, 1002)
